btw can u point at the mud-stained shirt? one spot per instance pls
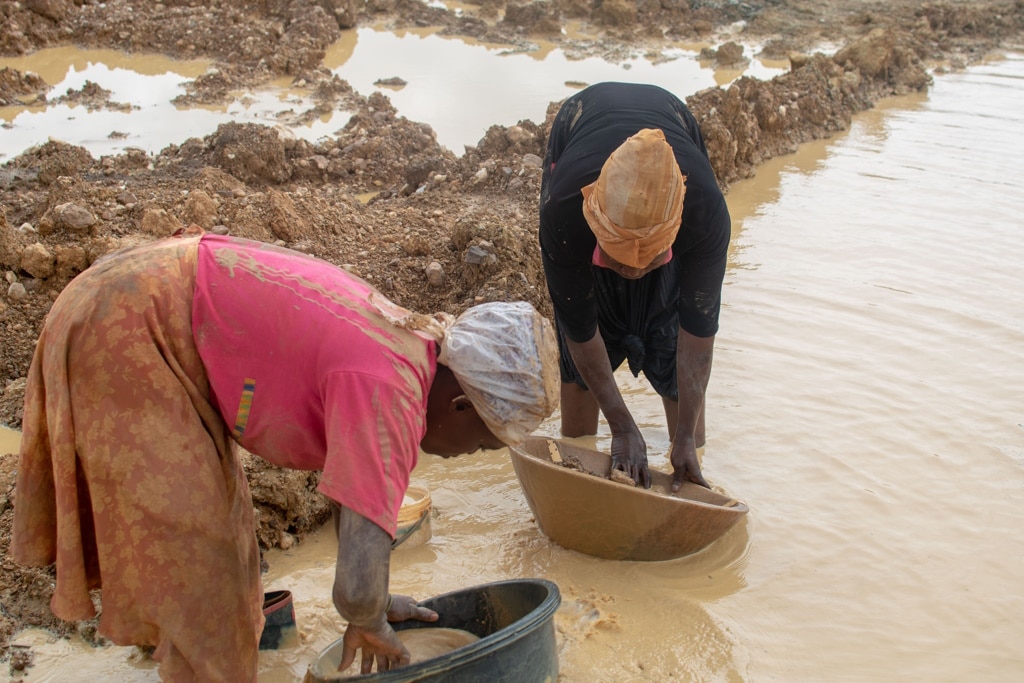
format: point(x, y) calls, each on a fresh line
point(589, 126)
point(309, 374)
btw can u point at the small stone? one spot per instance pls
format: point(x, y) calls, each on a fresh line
point(532, 160)
point(435, 274)
point(74, 217)
point(478, 255)
point(17, 291)
point(37, 261)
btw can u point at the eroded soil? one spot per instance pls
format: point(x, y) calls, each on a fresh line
point(441, 231)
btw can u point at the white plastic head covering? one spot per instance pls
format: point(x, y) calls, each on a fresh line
point(505, 356)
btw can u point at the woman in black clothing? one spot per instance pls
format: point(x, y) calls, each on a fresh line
point(634, 235)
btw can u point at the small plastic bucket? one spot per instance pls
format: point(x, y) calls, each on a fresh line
point(514, 620)
point(280, 630)
point(414, 518)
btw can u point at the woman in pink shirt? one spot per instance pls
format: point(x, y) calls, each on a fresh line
point(158, 361)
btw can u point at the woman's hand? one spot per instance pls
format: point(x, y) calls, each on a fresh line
point(379, 644)
point(403, 607)
point(629, 454)
point(685, 466)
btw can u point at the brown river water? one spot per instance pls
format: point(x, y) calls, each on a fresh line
point(866, 402)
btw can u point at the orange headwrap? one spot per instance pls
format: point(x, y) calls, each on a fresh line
point(636, 204)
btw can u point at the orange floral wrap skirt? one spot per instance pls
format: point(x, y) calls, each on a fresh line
point(129, 480)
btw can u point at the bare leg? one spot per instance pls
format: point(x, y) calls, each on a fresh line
point(672, 420)
point(698, 433)
point(671, 416)
point(579, 411)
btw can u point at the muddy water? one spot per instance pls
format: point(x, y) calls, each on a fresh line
point(865, 403)
point(145, 83)
point(482, 85)
point(460, 87)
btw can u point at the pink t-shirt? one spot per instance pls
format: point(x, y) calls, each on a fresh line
point(309, 374)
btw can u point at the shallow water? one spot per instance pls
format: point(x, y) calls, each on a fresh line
point(865, 403)
point(458, 86)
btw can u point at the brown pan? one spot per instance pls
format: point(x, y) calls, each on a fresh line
point(585, 511)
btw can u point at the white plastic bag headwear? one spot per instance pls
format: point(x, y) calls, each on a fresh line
point(505, 356)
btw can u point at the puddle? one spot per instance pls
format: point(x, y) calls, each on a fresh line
point(142, 113)
point(458, 86)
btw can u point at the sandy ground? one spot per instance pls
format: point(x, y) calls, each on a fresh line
point(470, 218)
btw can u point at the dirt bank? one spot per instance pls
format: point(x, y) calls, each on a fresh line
point(470, 217)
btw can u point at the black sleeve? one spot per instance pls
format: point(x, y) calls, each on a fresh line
point(571, 287)
point(703, 240)
point(691, 126)
point(566, 242)
point(701, 274)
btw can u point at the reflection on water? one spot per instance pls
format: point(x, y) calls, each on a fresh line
point(481, 85)
point(865, 403)
point(142, 87)
point(458, 86)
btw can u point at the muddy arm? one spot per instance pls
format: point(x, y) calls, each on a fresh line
point(361, 593)
point(361, 573)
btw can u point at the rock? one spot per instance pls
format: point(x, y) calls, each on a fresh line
point(730, 53)
point(201, 209)
point(54, 10)
point(479, 254)
point(71, 260)
point(435, 274)
point(532, 161)
point(250, 152)
point(797, 60)
point(159, 223)
point(284, 219)
point(518, 135)
point(17, 292)
point(70, 216)
point(345, 12)
point(37, 261)
point(126, 198)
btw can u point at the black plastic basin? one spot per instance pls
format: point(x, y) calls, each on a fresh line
point(514, 620)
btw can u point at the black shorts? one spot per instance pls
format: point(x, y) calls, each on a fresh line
point(639, 322)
